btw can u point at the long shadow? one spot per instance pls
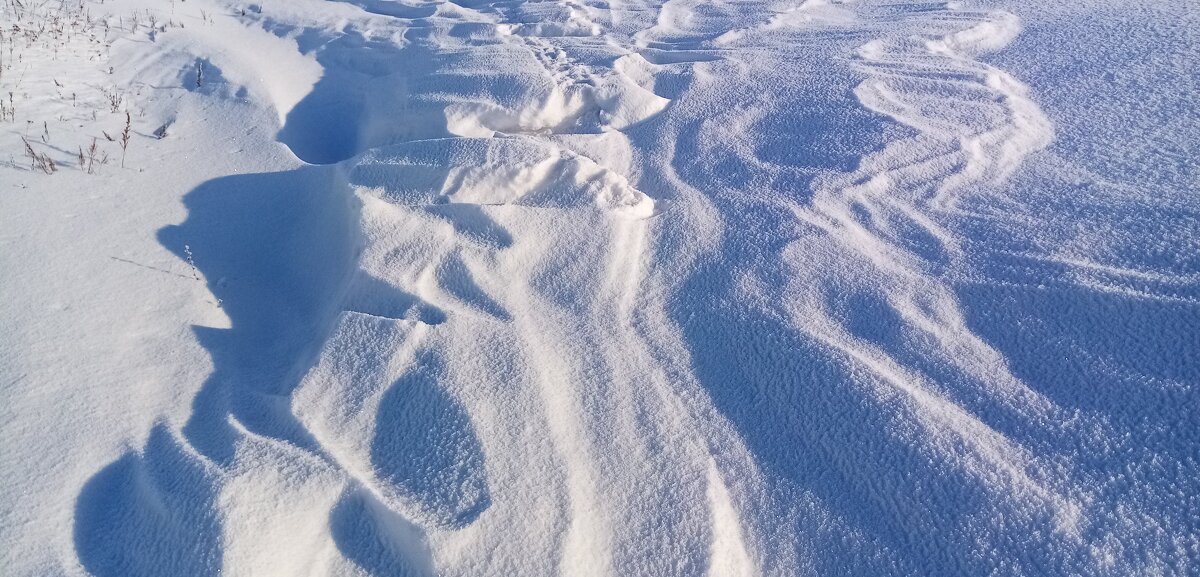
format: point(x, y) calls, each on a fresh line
point(376, 539)
point(426, 449)
point(276, 250)
point(376, 92)
point(369, 95)
point(149, 515)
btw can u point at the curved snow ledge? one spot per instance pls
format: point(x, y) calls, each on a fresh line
point(494, 171)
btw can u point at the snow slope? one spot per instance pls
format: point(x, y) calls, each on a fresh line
point(583, 287)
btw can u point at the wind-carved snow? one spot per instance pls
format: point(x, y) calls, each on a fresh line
point(624, 288)
point(478, 206)
point(535, 252)
point(878, 226)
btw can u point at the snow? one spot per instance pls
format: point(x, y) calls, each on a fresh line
point(583, 287)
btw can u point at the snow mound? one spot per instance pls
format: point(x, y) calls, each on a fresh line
point(500, 171)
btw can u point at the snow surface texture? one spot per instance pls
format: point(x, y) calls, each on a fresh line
point(591, 288)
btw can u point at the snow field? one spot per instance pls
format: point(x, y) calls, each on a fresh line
point(591, 288)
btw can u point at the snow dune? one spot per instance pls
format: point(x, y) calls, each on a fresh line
point(689, 288)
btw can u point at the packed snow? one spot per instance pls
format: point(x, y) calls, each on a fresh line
point(696, 288)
